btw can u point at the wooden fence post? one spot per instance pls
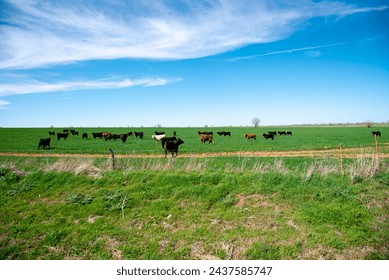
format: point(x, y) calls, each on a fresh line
point(376, 144)
point(341, 159)
point(113, 158)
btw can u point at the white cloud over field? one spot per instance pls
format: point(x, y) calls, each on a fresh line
point(45, 33)
point(23, 85)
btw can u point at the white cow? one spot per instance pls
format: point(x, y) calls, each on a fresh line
point(158, 137)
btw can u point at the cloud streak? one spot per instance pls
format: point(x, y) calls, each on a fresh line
point(284, 52)
point(39, 34)
point(22, 85)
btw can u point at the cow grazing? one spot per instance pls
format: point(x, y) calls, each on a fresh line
point(73, 132)
point(44, 143)
point(62, 135)
point(65, 130)
point(111, 136)
point(171, 145)
point(272, 132)
point(51, 133)
point(376, 133)
point(123, 137)
point(268, 136)
point(85, 135)
point(225, 133)
point(250, 136)
point(205, 132)
point(159, 132)
point(158, 137)
point(206, 138)
point(97, 135)
point(139, 134)
point(129, 134)
point(286, 132)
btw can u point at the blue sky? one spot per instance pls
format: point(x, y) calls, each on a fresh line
point(193, 63)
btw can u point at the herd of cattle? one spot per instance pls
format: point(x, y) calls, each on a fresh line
point(169, 144)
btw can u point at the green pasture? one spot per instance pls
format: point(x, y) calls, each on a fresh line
point(194, 208)
point(208, 208)
point(304, 138)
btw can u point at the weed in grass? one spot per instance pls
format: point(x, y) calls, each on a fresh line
point(19, 188)
point(78, 199)
point(115, 200)
point(263, 251)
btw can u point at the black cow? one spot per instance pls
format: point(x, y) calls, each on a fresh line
point(225, 133)
point(129, 134)
point(44, 143)
point(85, 135)
point(171, 144)
point(377, 133)
point(51, 132)
point(268, 136)
point(123, 137)
point(62, 135)
point(281, 132)
point(111, 136)
point(73, 132)
point(288, 132)
point(139, 134)
point(97, 135)
point(272, 132)
point(205, 132)
point(159, 132)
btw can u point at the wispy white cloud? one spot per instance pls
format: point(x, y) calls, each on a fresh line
point(23, 85)
point(3, 104)
point(45, 33)
point(305, 49)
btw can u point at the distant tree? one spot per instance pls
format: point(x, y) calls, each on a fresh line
point(369, 123)
point(256, 121)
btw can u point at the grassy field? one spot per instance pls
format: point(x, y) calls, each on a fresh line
point(304, 138)
point(194, 208)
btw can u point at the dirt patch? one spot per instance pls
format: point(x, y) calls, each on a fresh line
point(346, 153)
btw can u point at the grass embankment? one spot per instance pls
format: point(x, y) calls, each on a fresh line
point(215, 208)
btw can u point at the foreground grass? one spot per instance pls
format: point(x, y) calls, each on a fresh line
point(225, 208)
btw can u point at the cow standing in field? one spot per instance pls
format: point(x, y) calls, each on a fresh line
point(62, 135)
point(376, 133)
point(206, 138)
point(268, 136)
point(139, 134)
point(44, 143)
point(158, 137)
point(250, 136)
point(85, 135)
point(171, 144)
point(51, 133)
point(225, 133)
point(97, 135)
point(123, 137)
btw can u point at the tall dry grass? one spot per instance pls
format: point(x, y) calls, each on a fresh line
point(76, 166)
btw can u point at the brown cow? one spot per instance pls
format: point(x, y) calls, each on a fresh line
point(250, 136)
point(206, 138)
